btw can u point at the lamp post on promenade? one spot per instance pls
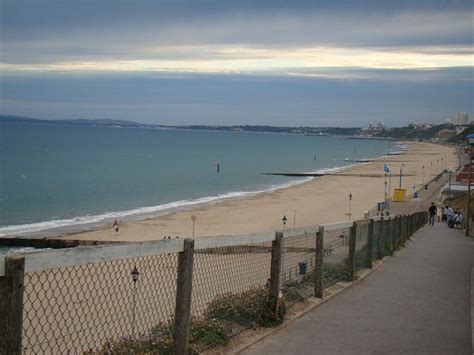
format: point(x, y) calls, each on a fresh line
point(423, 175)
point(284, 219)
point(450, 173)
point(431, 170)
point(401, 170)
point(470, 137)
point(135, 274)
point(350, 202)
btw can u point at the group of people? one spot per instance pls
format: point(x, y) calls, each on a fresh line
point(453, 218)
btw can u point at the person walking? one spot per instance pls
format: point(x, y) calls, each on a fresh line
point(433, 211)
point(115, 226)
point(449, 214)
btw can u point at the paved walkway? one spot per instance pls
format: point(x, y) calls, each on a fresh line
point(417, 302)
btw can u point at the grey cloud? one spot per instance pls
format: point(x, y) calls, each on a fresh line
point(50, 31)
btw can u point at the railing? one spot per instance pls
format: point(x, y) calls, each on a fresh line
point(188, 295)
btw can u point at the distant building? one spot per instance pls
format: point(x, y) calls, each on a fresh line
point(461, 119)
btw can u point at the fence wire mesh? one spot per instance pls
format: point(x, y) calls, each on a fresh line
point(298, 269)
point(375, 239)
point(362, 238)
point(97, 307)
point(229, 292)
point(335, 256)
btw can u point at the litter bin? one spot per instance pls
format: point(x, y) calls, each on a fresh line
point(415, 195)
point(302, 267)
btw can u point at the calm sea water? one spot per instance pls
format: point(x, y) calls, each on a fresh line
point(59, 176)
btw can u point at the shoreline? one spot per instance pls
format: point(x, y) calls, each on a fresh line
point(240, 215)
point(70, 227)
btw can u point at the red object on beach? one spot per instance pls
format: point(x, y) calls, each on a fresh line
point(193, 218)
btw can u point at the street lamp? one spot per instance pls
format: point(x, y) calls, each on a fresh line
point(423, 175)
point(350, 201)
point(401, 167)
point(135, 274)
point(450, 174)
point(470, 138)
point(284, 219)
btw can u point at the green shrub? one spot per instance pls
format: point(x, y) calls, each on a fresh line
point(205, 332)
point(254, 306)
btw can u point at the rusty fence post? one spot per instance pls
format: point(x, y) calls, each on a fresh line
point(275, 270)
point(11, 305)
point(352, 252)
point(370, 243)
point(183, 297)
point(318, 278)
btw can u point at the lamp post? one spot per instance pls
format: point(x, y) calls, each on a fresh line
point(284, 219)
point(470, 137)
point(431, 170)
point(350, 205)
point(423, 175)
point(401, 169)
point(386, 197)
point(450, 174)
point(135, 274)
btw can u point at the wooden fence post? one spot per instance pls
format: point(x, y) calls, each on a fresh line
point(275, 270)
point(183, 297)
point(11, 305)
point(318, 278)
point(352, 249)
point(370, 243)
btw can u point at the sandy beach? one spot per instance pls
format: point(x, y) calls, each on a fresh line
point(320, 200)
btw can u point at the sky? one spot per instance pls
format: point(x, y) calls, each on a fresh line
point(284, 63)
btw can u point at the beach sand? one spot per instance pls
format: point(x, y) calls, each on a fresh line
point(320, 200)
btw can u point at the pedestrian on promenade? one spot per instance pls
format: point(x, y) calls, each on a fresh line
point(449, 214)
point(433, 211)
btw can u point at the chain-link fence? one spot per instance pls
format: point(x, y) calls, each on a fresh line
point(125, 300)
point(229, 286)
point(97, 307)
point(336, 254)
point(299, 265)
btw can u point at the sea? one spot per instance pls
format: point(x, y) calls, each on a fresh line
point(64, 178)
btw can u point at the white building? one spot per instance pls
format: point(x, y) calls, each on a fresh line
point(461, 119)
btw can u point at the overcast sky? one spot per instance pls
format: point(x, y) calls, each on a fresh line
point(341, 63)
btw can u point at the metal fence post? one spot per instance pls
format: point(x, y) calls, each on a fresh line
point(318, 278)
point(352, 249)
point(388, 232)
point(11, 305)
point(402, 230)
point(381, 239)
point(275, 270)
point(370, 243)
point(183, 298)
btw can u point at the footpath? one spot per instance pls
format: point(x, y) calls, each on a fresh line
point(417, 302)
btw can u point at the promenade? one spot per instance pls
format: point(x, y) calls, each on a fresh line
point(417, 302)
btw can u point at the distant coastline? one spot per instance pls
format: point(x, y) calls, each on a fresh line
point(309, 131)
